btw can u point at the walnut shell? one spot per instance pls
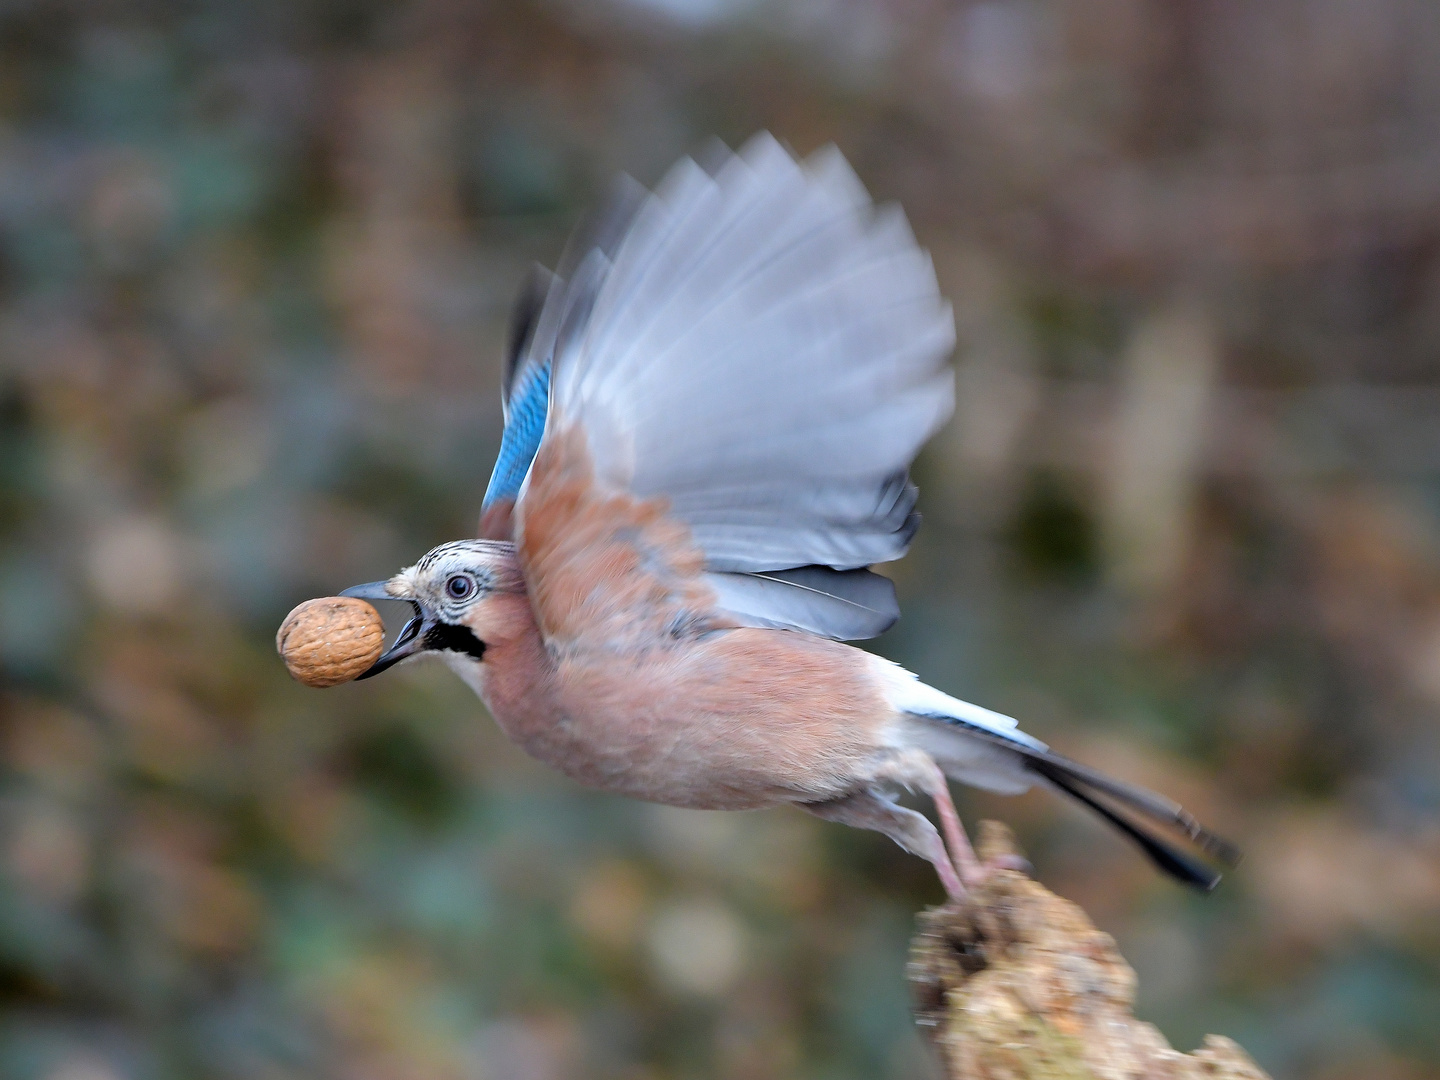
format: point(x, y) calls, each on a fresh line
point(330, 640)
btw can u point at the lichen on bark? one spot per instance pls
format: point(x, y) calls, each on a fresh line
point(1015, 983)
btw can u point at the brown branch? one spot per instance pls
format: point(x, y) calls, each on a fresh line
point(1017, 984)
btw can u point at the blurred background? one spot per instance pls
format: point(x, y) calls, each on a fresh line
point(255, 264)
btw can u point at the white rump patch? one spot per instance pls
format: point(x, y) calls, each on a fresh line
point(907, 694)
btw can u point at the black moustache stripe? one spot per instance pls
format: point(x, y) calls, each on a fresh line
point(444, 637)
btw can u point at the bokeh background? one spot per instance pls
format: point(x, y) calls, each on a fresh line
point(255, 263)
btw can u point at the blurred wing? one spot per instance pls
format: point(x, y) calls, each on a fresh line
point(524, 424)
point(520, 354)
point(766, 351)
point(525, 399)
point(843, 604)
point(535, 319)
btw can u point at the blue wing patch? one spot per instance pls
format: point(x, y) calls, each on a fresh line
point(529, 402)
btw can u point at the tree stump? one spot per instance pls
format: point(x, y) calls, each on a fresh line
point(1015, 983)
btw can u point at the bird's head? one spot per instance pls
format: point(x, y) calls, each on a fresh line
point(464, 596)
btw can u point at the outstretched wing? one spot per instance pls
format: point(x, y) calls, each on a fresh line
point(525, 397)
point(535, 320)
point(765, 352)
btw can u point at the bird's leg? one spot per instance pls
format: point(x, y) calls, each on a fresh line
point(922, 772)
point(919, 771)
point(961, 850)
point(872, 810)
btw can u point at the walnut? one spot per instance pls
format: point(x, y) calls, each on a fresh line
point(330, 640)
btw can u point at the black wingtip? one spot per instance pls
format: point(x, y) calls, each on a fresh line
point(524, 318)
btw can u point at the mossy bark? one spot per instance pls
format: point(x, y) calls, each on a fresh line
point(1017, 984)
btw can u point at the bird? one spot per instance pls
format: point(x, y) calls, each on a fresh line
point(711, 409)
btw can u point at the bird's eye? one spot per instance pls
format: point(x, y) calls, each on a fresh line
point(459, 586)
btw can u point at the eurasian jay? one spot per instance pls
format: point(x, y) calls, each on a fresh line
point(710, 414)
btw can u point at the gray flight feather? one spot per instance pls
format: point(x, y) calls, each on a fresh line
point(844, 604)
point(765, 349)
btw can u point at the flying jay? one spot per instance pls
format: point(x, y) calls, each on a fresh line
point(710, 414)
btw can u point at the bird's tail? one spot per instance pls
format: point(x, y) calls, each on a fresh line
point(987, 749)
point(1097, 791)
point(1023, 760)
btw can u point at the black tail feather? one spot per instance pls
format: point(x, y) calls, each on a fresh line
point(1146, 802)
point(1167, 858)
point(1086, 785)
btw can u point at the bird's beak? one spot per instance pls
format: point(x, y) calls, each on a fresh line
point(411, 638)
